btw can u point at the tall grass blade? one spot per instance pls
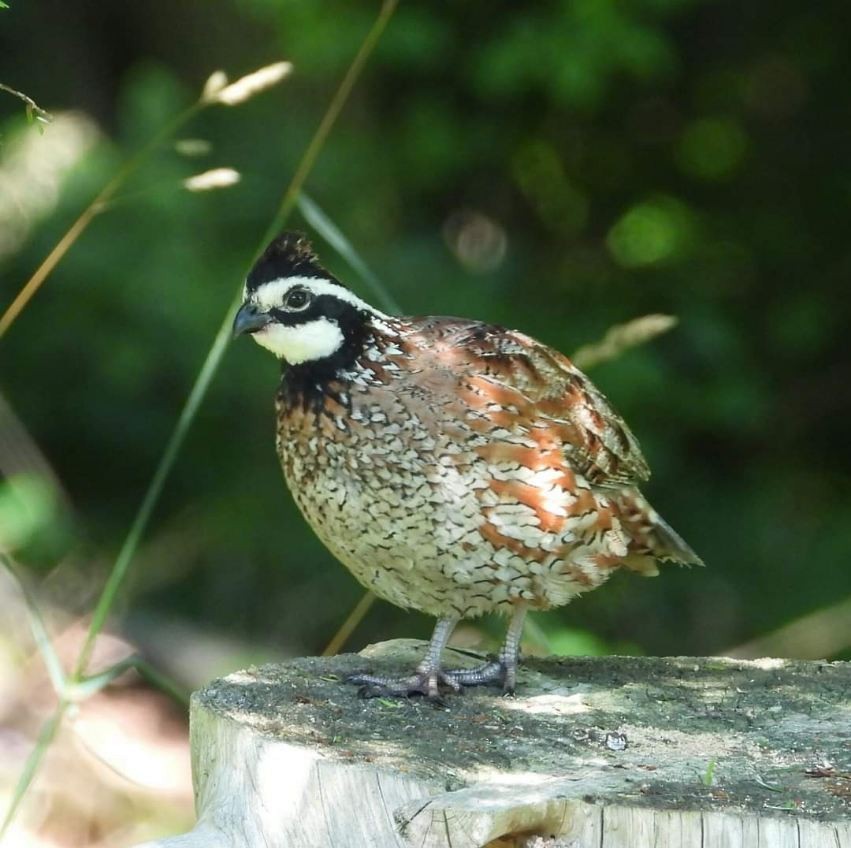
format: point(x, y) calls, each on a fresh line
point(152, 495)
point(45, 737)
point(345, 630)
point(39, 631)
point(161, 681)
point(216, 352)
point(339, 99)
point(335, 238)
point(89, 686)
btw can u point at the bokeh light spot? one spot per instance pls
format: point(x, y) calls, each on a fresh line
point(33, 169)
point(27, 507)
point(711, 148)
point(650, 233)
point(478, 242)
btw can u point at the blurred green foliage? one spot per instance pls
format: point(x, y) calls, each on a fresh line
point(28, 510)
point(556, 166)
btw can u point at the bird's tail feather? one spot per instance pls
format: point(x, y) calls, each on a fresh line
point(669, 545)
point(650, 533)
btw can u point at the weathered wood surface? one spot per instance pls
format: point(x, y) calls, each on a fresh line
point(616, 752)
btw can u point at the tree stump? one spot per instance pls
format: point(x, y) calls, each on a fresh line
point(618, 752)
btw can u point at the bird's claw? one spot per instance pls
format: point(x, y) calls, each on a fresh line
point(495, 672)
point(430, 684)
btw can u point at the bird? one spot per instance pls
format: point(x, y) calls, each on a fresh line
point(454, 466)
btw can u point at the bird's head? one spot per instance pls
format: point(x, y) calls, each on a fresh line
point(295, 308)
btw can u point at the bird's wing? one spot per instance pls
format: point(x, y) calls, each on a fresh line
point(540, 387)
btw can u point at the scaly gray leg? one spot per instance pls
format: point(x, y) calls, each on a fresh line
point(427, 679)
point(503, 669)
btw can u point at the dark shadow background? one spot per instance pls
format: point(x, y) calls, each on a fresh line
point(556, 166)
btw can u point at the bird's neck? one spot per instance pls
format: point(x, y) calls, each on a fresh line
point(310, 383)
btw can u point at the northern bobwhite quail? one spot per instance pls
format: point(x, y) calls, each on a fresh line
point(453, 466)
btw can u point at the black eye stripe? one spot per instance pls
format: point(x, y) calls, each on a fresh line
point(323, 305)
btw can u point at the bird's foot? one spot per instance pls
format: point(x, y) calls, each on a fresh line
point(430, 683)
point(495, 672)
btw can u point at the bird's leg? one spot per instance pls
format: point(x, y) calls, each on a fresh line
point(503, 669)
point(426, 680)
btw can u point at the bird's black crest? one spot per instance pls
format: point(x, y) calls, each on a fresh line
point(289, 255)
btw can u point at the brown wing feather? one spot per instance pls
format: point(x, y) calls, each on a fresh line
point(604, 442)
point(601, 446)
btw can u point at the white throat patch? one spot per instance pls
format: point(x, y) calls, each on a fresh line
point(302, 343)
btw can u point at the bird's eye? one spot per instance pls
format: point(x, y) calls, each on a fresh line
point(297, 299)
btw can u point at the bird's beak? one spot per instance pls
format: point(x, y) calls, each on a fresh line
point(249, 319)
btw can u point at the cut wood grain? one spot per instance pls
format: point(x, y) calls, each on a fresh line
point(609, 752)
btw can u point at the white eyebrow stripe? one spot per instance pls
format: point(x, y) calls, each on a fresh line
point(271, 294)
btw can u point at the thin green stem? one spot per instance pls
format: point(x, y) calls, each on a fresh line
point(320, 222)
point(345, 630)
point(89, 686)
point(32, 106)
point(339, 99)
point(140, 522)
point(45, 738)
point(216, 352)
point(39, 630)
point(161, 681)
